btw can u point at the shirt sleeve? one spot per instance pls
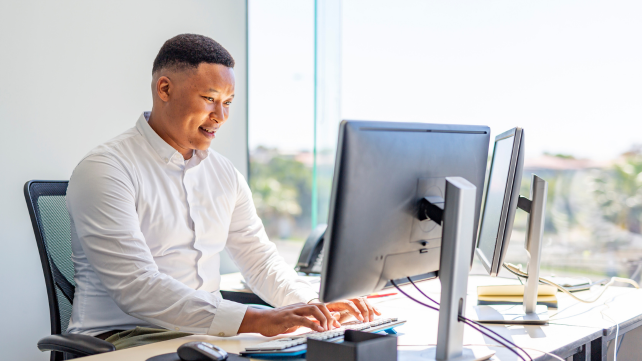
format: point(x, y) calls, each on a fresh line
point(101, 200)
point(264, 269)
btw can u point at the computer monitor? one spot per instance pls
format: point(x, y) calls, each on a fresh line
point(382, 171)
point(405, 201)
point(500, 200)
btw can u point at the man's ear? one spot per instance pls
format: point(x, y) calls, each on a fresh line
point(163, 88)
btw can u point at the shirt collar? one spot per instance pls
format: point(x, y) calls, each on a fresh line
point(164, 150)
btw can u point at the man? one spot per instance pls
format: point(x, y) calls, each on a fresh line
point(152, 209)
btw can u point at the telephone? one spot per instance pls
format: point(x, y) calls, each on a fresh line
point(311, 258)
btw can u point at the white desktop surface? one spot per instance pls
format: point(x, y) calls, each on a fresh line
point(574, 321)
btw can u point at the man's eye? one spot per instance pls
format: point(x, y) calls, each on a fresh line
point(210, 99)
point(228, 103)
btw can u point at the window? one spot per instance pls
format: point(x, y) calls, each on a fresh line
point(281, 118)
point(565, 72)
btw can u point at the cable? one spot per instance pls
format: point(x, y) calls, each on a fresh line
point(460, 319)
point(615, 348)
point(474, 322)
point(617, 332)
point(555, 315)
point(516, 270)
point(490, 345)
point(472, 325)
point(407, 295)
point(422, 292)
point(620, 345)
point(528, 348)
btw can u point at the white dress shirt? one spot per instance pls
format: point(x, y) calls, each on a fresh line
point(147, 229)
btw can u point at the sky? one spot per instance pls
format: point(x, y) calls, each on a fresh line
point(569, 73)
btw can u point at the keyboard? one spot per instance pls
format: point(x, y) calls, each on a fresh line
point(296, 344)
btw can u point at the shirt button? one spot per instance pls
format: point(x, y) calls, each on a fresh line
point(177, 328)
point(166, 159)
point(221, 334)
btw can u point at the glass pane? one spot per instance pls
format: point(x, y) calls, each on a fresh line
point(281, 118)
point(564, 71)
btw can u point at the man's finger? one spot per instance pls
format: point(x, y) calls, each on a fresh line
point(314, 311)
point(336, 319)
point(376, 310)
point(364, 309)
point(306, 322)
point(327, 314)
point(354, 310)
point(371, 309)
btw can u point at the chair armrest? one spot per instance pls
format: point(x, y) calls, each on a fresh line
point(75, 344)
point(244, 298)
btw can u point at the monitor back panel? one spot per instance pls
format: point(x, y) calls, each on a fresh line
point(382, 170)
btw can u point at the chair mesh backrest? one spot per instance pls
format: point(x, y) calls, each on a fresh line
point(52, 218)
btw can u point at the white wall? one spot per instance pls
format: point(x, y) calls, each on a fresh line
point(74, 74)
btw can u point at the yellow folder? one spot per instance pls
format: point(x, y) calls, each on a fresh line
point(514, 294)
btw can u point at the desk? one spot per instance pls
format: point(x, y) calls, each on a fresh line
point(576, 329)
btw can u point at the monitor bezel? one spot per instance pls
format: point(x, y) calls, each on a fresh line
point(493, 263)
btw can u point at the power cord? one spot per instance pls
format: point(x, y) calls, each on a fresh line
point(491, 345)
point(471, 321)
point(617, 332)
point(517, 271)
point(461, 319)
point(620, 345)
point(528, 348)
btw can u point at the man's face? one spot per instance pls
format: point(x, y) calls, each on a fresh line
point(196, 104)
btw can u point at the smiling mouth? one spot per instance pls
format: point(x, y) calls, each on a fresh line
point(210, 132)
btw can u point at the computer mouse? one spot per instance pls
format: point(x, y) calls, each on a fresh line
point(201, 351)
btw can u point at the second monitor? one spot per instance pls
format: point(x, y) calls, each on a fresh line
point(501, 202)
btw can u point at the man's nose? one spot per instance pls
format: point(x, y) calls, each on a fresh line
point(218, 114)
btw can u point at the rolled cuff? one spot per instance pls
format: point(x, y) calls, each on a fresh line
point(227, 319)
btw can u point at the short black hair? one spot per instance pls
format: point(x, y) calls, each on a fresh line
point(190, 50)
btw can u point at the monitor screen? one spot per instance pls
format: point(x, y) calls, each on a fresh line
point(495, 196)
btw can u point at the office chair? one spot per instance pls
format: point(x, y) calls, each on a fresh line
point(51, 226)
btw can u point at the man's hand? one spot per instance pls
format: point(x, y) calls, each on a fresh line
point(314, 315)
point(359, 308)
point(288, 319)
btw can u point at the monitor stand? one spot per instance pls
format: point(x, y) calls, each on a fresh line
point(531, 313)
point(456, 253)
